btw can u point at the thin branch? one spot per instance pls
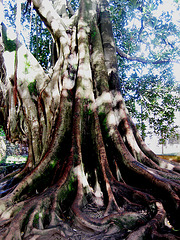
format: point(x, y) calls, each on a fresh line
point(69, 7)
point(141, 29)
point(138, 59)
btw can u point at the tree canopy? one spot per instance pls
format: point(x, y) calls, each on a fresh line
point(147, 37)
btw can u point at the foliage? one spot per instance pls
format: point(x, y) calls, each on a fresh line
point(155, 101)
point(9, 44)
point(150, 90)
point(2, 133)
point(32, 88)
point(34, 34)
point(40, 42)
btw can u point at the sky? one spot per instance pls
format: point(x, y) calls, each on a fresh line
point(176, 70)
point(171, 6)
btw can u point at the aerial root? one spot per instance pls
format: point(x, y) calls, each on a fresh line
point(13, 228)
point(35, 219)
point(45, 232)
point(100, 221)
point(167, 236)
point(132, 195)
point(11, 211)
point(4, 191)
point(112, 207)
point(28, 215)
point(167, 174)
point(10, 176)
point(151, 228)
point(38, 216)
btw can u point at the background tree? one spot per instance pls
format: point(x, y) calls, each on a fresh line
point(148, 45)
point(87, 169)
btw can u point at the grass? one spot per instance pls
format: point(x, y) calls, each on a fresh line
point(170, 157)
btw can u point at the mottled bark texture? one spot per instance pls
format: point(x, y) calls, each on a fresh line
point(88, 174)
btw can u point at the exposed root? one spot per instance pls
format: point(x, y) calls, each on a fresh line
point(151, 228)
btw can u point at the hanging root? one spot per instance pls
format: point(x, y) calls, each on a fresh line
point(150, 230)
point(40, 215)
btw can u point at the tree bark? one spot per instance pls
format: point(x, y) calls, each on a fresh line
point(88, 172)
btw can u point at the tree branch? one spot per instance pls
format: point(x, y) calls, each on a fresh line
point(70, 9)
point(138, 59)
point(50, 17)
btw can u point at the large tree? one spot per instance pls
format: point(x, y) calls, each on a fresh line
point(88, 172)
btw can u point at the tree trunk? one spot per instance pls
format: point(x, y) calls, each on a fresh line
point(88, 173)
